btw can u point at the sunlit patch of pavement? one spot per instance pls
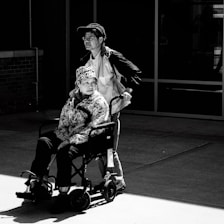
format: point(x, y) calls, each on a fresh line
point(126, 208)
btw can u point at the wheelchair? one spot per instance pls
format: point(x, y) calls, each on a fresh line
point(81, 196)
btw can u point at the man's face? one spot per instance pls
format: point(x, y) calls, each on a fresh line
point(88, 86)
point(91, 42)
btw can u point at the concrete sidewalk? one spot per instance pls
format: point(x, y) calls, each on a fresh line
point(173, 169)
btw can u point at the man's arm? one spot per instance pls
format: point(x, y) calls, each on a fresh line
point(126, 68)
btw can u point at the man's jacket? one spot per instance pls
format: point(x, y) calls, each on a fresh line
point(130, 72)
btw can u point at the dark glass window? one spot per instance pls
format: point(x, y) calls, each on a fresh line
point(14, 23)
point(190, 39)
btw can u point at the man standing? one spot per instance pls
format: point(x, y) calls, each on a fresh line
point(111, 68)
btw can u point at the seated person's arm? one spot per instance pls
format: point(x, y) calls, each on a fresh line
point(100, 114)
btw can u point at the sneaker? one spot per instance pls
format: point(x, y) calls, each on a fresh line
point(120, 184)
point(36, 190)
point(61, 204)
point(25, 195)
point(28, 194)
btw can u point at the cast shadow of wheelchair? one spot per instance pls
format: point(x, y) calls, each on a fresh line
point(30, 212)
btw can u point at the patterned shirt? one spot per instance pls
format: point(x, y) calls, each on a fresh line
point(78, 116)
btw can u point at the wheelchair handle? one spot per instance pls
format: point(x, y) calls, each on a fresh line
point(121, 96)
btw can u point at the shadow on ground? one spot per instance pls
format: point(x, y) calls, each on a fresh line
point(31, 213)
point(177, 159)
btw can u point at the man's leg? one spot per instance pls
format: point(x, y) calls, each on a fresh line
point(117, 163)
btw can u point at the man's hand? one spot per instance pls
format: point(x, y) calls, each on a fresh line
point(126, 95)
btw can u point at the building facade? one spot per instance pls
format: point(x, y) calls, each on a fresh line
point(176, 43)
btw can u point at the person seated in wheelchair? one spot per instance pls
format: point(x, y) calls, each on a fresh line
point(84, 109)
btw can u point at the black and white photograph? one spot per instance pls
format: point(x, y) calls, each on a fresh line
point(112, 111)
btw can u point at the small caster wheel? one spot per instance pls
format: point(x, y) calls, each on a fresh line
point(109, 190)
point(79, 200)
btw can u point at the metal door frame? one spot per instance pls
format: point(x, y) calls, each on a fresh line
point(156, 81)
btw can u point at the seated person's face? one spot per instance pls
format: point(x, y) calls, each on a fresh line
point(88, 86)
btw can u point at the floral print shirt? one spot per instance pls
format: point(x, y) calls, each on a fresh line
point(78, 116)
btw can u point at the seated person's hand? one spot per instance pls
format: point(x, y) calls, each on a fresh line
point(72, 151)
point(47, 141)
point(63, 144)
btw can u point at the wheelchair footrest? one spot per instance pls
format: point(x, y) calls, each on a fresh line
point(25, 195)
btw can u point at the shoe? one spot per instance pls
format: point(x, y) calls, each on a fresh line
point(25, 195)
point(61, 204)
point(36, 190)
point(120, 185)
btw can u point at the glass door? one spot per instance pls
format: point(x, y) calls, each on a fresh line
point(190, 57)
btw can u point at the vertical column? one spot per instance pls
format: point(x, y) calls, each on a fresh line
point(94, 10)
point(223, 60)
point(30, 24)
point(36, 55)
point(67, 44)
point(156, 48)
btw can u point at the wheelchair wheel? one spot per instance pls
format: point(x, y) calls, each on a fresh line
point(79, 200)
point(109, 190)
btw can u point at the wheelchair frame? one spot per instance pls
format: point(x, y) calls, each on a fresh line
point(80, 197)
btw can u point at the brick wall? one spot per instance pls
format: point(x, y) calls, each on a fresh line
point(17, 80)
